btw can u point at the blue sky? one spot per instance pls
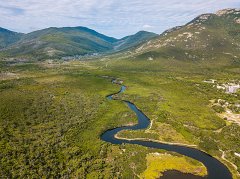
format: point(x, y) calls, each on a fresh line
point(115, 18)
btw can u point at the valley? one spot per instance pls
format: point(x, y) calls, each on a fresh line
point(54, 111)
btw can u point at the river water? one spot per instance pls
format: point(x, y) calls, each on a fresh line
point(216, 169)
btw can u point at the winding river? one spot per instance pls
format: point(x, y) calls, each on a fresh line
point(216, 169)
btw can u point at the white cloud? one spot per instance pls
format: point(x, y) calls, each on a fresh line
point(146, 26)
point(112, 17)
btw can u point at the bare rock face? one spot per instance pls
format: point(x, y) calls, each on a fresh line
point(238, 21)
point(227, 12)
point(223, 12)
point(171, 30)
point(204, 17)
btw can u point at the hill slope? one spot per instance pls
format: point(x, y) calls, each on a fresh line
point(8, 37)
point(57, 42)
point(209, 37)
point(133, 40)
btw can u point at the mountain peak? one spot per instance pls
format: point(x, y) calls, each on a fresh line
point(6, 30)
point(230, 15)
point(144, 32)
point(228, 11)
point(8, 37)
point(209, 34)
point(2, 29)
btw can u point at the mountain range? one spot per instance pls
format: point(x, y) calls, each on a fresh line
point(67, 41)
point(208, 36)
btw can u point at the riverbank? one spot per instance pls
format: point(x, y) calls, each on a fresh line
point(212, 164)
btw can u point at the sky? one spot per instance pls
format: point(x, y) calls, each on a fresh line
point(116, 18)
